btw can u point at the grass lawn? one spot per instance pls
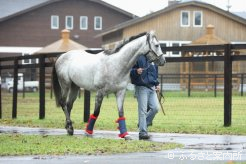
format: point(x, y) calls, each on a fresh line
point(66, 145)
point(199, 113)
point(12, 145)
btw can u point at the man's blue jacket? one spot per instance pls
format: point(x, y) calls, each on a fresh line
point(149, 77)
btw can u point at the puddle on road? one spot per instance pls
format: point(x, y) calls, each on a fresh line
point(32, 131)
point(231, 146)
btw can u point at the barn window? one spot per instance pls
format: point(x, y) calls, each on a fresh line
point(97, 23)
point(69, 22)
point(185, 19)
point(197, 19)
point(26, 61)
point(54, 22)
point(177, 44)
point(83, 22)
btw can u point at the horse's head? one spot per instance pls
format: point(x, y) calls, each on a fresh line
point(155, 53)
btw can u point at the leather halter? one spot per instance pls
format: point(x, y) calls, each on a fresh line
point(150, 49)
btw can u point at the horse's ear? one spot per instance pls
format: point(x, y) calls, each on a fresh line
point(152, 32)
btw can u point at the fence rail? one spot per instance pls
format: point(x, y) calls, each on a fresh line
point(42, 64)
point(214, 82)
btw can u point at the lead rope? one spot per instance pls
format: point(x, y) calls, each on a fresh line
point(161, 99)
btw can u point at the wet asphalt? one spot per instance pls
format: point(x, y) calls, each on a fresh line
point(198, 148)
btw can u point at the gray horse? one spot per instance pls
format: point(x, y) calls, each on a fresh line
point(105, 72)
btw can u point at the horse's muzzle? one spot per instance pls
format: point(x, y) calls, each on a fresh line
point(161, 61)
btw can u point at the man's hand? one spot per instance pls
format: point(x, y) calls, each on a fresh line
point(158, 88)
point(140, 71)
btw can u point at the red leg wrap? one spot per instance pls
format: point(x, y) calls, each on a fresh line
point(122, 127)
point(90, 124)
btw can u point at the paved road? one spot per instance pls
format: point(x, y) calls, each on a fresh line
point(197, 149)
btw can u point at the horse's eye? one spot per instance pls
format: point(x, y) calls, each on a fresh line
point(157, 45)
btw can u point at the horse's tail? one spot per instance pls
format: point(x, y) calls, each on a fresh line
point(56, 87)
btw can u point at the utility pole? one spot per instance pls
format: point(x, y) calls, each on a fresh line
point(228, 6)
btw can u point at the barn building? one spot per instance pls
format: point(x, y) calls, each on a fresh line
point(26, 26)
point(184, 23)
point(179, 24)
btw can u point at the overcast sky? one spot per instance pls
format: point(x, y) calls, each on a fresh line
point(143, 7)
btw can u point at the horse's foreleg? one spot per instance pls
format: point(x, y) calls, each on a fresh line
point(93, 117)
point(120, 95)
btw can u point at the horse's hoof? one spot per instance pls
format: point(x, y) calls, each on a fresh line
point(88, 134)
point(70, 131)
point(128, 137)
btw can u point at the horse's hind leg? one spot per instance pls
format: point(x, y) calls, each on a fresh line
point(68, 122)
point(72, 95)
point(66, 104)
point(93, 117)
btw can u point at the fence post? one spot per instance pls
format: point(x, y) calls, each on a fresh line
point(23, 85)
point(242, 78)
point(87, 97)
point(41, 87)
point(189, 81)
point(0, 93)
point(227, 85)
point(215, 85)
point(15, 89)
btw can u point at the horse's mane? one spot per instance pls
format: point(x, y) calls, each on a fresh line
point(122, 43)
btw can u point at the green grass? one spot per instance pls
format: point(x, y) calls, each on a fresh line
point(200, 113)
point(66, 145)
